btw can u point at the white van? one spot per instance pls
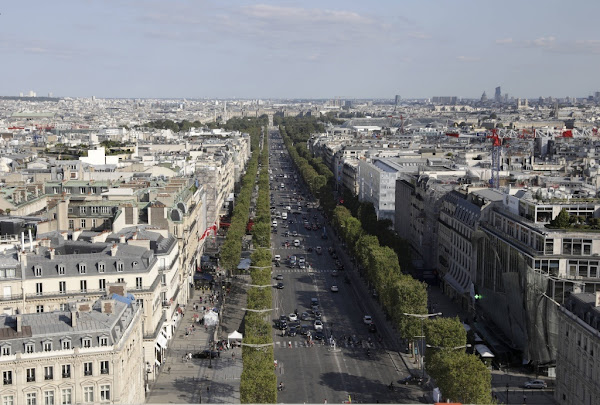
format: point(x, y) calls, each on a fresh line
point(284, 215)
point(296, 242)
point(274, 224)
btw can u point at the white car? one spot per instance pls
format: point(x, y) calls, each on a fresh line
point(277, 258)
point(334, 288)
point(293, 317)
point(367, 319)
point(296, 242)
point(318, 325)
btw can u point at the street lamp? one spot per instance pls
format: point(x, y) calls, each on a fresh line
point(449, 348)
point(210, 346)
point(422, 317)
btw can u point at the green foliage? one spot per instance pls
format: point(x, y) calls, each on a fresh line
point(448, 333)
point(562, 220)
point(461, 377)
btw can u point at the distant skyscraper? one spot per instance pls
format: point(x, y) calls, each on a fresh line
point(397, 99)
point(484, 98)
point(498, 94)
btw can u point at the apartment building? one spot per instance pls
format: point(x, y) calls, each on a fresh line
point(377, 184)
point(89, 352)
point(577, 365)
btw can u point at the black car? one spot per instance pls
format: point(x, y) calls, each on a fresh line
point(304, 316)
point(318, 335)
point(372, 328)
point(411, 379)
point(304, 329)
point(283, 325)
point(292, 331)
point(205, 354)
point(279, 286)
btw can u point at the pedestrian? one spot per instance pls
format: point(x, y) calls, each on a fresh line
point(233, 356)
point(325, 401)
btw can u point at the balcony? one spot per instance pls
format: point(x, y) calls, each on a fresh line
point(66, 375)
point(8, 381)
point(87, 372)
point(30, 378)
point(48, 377)
point(103, 371)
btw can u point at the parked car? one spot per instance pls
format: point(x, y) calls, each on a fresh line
point(411, 379)
point(292, 317)
point(334, 288)
point(367, 319)
point(536, 384)
point(318, 325)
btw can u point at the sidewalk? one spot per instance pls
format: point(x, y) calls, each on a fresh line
point(202, 380)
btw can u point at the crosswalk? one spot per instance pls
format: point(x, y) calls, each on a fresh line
point(296, 344)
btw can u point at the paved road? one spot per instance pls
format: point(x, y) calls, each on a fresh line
point(313, 374)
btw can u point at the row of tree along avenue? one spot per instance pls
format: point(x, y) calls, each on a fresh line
point(381, 256)
point(258, 382)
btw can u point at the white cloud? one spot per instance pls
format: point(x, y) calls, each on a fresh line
point(303, 15)
point(419, 35)
point(463, 58)
point(504, 41)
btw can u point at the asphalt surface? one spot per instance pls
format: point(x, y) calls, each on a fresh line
point(313, 374)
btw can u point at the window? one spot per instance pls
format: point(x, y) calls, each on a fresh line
point(101, 267)
point(102, 284)
point(61, 269)
point(88, 394)
point(140, 302)
point(119, 266)
point(138, 283)
point(120, 280)
point(30, 374)
point(31, 398)
point(7, 377)
point(62, 287)
point(39, 309)
point(104, 367)
point(66, 397)
point(29, 348)
point(82, 268)
point(39, 290)
point(82, 223)
point(94, 210)
point(71, 224)
point(48, 373)
point(82, 209)
point(83, 285)
point(64, 307)
point(47, 346)
point(5, 351)
point(103, 341)
point(48, 397)
point(87, 369)
point(38, 271)
point(87, 342)
point(66, 344)
point(105, 393)
point(94, 223)
point(8, 400)
point(66, 370)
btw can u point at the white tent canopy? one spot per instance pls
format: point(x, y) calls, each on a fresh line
point(211, 318)
point(235, 335)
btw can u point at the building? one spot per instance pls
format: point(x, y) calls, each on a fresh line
point(377, 184)
point(577, 366)
point(498, 95)
point(89, 352)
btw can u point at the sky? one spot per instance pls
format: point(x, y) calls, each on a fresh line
point(290, 49)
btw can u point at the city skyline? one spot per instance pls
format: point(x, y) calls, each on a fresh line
point(288, 49)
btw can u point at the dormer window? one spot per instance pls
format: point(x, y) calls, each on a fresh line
point(5, 350)
point(103, 341)
point(86, 342)
point(61, 269)
point(47, 345)
point(82, 268)
point(66, 344)
point(29, 347)
point(101, 267)
point(37, 270)
point(120, 266)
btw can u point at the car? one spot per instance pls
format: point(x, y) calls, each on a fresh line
point(318, 315)
point(301, 259)
point(318, 325)
point(372, 328)
point(277, 258)
point(283, 325)
point(334, 273)
point(294, 233)
point(304, 316)
point(319, 250)
point(367, 319)
point(292, 317)
point(334, 288)
point(537, 384)
point(292, 331)
point(302, 265)
point(296, 242)
point(205, 354)
point(279, 286)
point(279, 277)
point(319, 335)
point(304, 329)
point(411, 379)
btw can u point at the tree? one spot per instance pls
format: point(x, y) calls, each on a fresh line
point(448, 333)
point(562, 220)
point(462, 377)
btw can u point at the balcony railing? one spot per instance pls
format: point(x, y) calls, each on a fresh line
point(48, 377)
point(66, 375)
point(31, 379)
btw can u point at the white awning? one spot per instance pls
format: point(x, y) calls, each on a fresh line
point(484, 351)
point(161, 341)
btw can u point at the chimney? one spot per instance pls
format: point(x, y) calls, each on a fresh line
point(107, 306)
point(597, 299)
point(122, 239)
point(37, 250)
point(19, 323)
point(113, 250)
point(134, 237)
point(51, 252)
point(73, 317)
